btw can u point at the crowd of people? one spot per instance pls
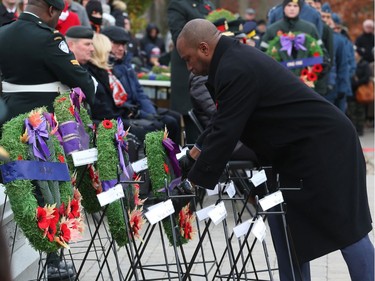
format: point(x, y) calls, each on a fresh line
point(291, 111)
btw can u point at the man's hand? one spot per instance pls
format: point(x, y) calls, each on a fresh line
point(134, 112)
point(186, 163)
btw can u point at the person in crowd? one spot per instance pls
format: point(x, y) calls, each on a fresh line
point(35, 68)
point(34, 76)
point(137, 101)
point(291, 22)
point(133, 54)
point(118, 11)
point(94, 11)
point(339, 78)
point(290, 128)
point(356, 111)
point(8, 11)
point(79, 39)
point(349, 51)
point(151, 37)
point(67, 19)
point(307, 13)
point(179, 13)
point(250, 15)
point(366, 40)
point(77, 8)
point(327, 38)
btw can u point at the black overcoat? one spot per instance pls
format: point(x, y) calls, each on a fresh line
point(300, 134)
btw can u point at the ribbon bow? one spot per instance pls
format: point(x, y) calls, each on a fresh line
point(76, 97)
point(172, 150)
point(287, 43)
point(121, 144)
point(37, 136)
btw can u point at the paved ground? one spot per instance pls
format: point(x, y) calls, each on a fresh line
point(155, 256)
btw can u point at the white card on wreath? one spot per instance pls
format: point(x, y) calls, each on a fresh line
point(159, 211)
point(218, 213)
point(259, 229)
point(202, 214)
point(230, 189)
point(140, 165)
point(85, 157)
point(110, 195)
point(271, 200)
point(258, 177)
point(242, 229)
point(211, 192)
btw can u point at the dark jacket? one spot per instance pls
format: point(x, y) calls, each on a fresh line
point(136, 96)
point(179, 13)
point(362, 74)
point(300, 134)
point(5, 16)
point(155, 41)
point(36, 55)
point(104, 106)
point(366, 42)
point(203, 104)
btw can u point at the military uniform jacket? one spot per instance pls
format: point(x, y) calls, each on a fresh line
point(34, 58)
point(300, 134)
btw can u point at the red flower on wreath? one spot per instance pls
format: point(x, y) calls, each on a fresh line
point(61, 158)
point(317, 68)
point(41, 217)
point(304, 72)
point(73, 209)
point(71, 109)
point(312, 76)
point(19, 157)
point(61, 99)
point(64, 232)
point(107, 124)
point(166, 168)
point(51, 231)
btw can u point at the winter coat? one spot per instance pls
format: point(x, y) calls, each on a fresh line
point(179, 13)
point(300, 134)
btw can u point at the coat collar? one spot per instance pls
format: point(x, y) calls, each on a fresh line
point(222, 46)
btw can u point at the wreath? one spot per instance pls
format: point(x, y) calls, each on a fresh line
point(70, 114)
point(37, 159)
point(112, 146)
point(307, 63)
point(74, 133)
point(163, 167)
point(219, 14)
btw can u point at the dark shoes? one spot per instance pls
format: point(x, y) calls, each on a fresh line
point(63, 272)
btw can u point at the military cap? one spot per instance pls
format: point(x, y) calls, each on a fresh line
point(116, 34)
point(221, 24)
point(58, 4)
point(81, 32)
point(236, 26)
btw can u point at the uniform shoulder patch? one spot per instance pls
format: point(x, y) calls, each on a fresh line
point(64, 47)
point(74, 62)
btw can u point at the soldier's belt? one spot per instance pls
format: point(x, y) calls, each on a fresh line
point(46, 87)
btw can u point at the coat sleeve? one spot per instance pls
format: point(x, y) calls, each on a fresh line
point(61, 61)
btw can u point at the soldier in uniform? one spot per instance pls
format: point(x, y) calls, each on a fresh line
point(36, 66)
point(35, 61)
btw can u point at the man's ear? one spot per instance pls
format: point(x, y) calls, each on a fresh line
point(204, 48)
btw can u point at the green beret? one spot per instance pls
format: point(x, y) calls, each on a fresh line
point(80, 32)
point(58, 4)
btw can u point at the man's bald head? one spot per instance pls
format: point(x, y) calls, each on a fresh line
point(196, 44)
point(199, 30)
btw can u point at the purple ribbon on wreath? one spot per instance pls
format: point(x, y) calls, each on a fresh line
point(76, 96)
point(121, 145)
point(36, 137)
point(172, 150)
point(287, 43)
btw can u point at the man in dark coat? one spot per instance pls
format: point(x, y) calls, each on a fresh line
point(290, 127)
point(35, 60)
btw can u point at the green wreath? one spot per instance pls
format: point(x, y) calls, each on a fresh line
point(59, 221)
point(309, 75)
point(107, 169)
point(66, 111)
point(161, 172)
